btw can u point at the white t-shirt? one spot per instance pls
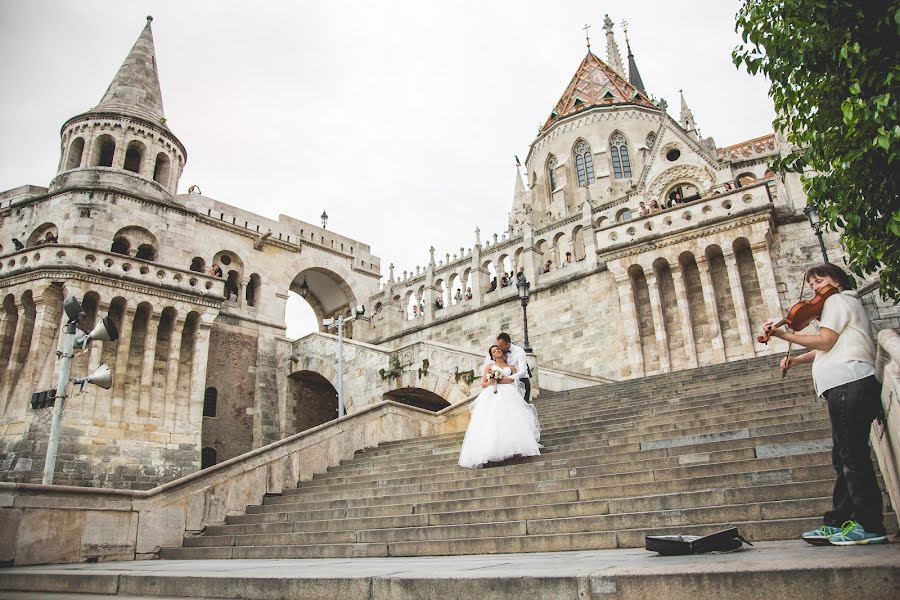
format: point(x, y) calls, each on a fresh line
point(853, 355)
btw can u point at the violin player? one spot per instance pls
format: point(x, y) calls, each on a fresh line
point(842, 354)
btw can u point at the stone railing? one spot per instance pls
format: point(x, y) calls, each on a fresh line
point(684, 217)
point(886, 437)
point(60, 524)
point(63, 257)
point(555, 380)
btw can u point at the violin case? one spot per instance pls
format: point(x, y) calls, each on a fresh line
point(728, 540)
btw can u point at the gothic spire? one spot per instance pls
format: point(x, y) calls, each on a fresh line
point(634, 76)
point(613, 57)
point(135, 89)
point(687, 117)
point(520, 202)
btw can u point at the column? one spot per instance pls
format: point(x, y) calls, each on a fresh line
point(630, 324)
point(712, 309)
point(662, 341)
point(147, 365)
point(740, 306)
point(14, 365)
point(120, 367)
point(684, 309)
point(172, 372)
point(198, 369)
point(765, 273)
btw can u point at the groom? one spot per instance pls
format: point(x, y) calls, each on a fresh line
point(514, 356)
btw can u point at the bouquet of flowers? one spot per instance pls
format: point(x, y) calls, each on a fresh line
point(496, 375)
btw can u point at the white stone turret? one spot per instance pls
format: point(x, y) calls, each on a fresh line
point(124, 142)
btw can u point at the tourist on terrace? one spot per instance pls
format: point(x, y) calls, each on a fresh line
point(547, 266)
point(458, 295)
point(468, 293)
point(655, 207)
point(643, 210)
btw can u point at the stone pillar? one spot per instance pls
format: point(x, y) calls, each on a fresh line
point(630, 326)
point(147, 365)
point(13, 367)
point(198, 369)
point(662, 341)
point(121, 365)
point(174, 357)
point(765, 273)
point(740, 306)
point(684, 309)
point(42, 337)
point(712, 309)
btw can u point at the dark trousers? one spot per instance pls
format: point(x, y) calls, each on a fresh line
point(527, 382)
point(852, 407)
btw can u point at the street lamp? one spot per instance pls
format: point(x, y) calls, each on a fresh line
point(324, 218)
point(339, 323)
point(523, 286)
point(812, 213)
point(105, 331)
point(304, 288)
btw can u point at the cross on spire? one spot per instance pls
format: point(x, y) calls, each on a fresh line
point(587, 36)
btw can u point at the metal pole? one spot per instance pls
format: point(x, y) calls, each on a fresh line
point(340, 367)
point(821, 244)
point(527, 347)
point(61, 386)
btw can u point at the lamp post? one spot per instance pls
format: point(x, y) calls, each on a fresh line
point(812, 213)
point(522, 285)
point(324, 218)
point(105, 331)
point(339, 323)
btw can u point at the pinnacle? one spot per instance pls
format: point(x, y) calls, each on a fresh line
point(135, 89)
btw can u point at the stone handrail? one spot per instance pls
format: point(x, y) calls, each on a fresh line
point(885, 437)
point(62, 524)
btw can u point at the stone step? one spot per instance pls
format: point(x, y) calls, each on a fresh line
point(561, 456)
point(587, 478)
point(779, 569)
point(672, 501)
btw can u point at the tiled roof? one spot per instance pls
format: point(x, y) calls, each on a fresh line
point(595, 84)
point(757, 146)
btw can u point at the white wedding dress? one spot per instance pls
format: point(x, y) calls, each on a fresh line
point(503, 425)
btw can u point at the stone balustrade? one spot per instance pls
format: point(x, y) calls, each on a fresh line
point(684, 217)
point(69, 258)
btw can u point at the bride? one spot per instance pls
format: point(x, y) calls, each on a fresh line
point(503, 425)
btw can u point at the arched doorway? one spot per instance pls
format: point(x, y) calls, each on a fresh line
point(313, 398)
point(417, 397)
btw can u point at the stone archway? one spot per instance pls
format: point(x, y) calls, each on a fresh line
point(417, 397)
point(326, 292)
point(312, 400)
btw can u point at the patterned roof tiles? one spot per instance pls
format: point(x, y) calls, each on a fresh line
point(760, 145)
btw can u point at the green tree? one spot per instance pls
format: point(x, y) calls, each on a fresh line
point(833, 66)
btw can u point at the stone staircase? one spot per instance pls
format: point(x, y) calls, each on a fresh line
point(688, 452)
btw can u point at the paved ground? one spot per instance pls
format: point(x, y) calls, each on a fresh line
point(600, 569)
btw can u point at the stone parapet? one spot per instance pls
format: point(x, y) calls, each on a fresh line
point(63, 524)
point(885, 437)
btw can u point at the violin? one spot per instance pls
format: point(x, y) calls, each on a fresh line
point(801, 314)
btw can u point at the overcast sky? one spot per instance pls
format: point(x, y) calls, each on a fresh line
point(399, 118)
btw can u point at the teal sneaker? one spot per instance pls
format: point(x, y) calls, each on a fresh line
point(853, 534)
point(819, 537)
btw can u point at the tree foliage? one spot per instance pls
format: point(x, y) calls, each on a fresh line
point(833, 66)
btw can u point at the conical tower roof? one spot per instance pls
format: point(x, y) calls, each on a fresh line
point(135, 88)
point(595, 84)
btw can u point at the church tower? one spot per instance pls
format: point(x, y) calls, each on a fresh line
point(124, 142)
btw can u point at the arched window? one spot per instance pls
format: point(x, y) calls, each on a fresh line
point(551, 172)
point(120, 246)
point(103, 151)
point(76, 149)
point(584, 164)
point(198, 265)
point(624, 215)
point(618, 150)
point(208, 457)
point(210, 399)
point(161, 169)
point(134, 155)
point(146, 252)
point(252, 293)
